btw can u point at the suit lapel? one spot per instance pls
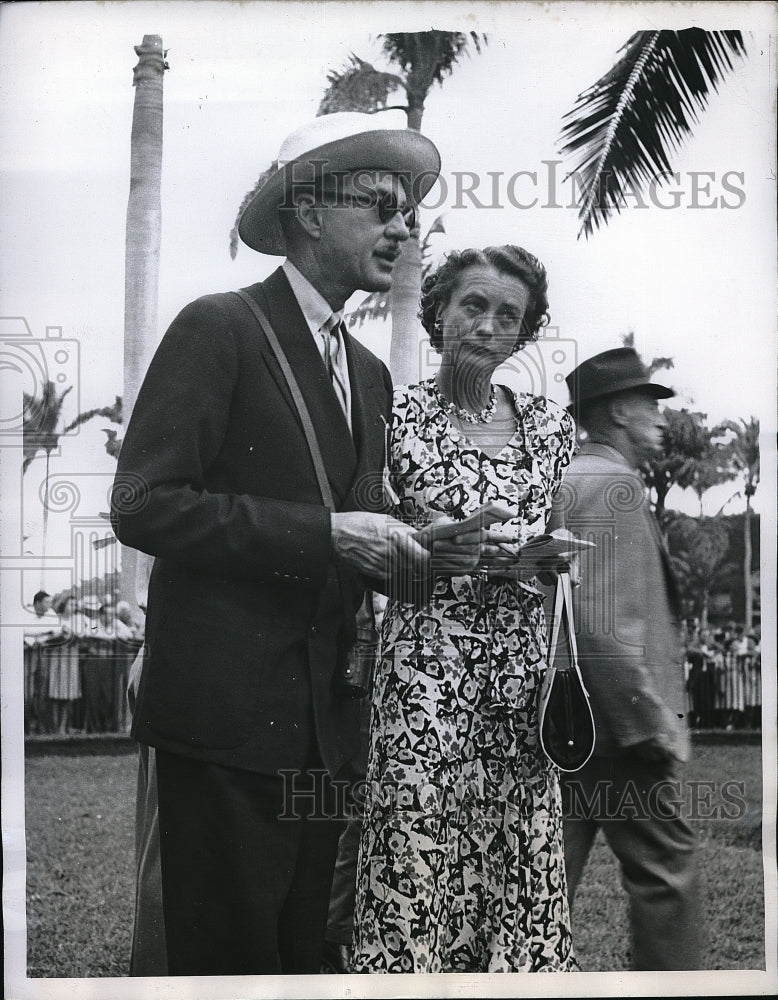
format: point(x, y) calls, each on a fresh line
point(364, 405)
point(275, 298)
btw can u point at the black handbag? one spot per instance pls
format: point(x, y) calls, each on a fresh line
point(356, 674)
point(566, 722)
point(355, 670)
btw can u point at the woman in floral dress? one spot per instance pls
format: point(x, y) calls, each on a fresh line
point(461, 865)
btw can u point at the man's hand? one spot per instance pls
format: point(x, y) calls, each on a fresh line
point(377, 545)
point(453, 554)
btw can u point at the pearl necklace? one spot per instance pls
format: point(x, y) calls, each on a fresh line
point(482, 417)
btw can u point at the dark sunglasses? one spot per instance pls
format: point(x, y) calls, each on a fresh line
point(384, 201)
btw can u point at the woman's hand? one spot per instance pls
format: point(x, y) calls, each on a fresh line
point(508, 560)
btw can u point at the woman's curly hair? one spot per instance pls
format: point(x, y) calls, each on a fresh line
point(511, 260)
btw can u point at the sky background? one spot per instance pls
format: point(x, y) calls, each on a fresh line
point(694, 283)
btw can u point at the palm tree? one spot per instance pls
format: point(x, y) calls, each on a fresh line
point(40, 417)
point(144, 225)
point(424, 58)
point(694, 456)
point(625, 126)
point(700, 551)
point(708, 462)
point(144, 216)
point(744, 451)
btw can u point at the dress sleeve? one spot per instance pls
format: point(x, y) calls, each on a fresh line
point(403, 586)
point(561, 445)
point(403, 426)
point(397, 432)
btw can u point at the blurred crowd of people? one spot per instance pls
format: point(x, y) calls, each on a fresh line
point(77, 651)
point(723, 676)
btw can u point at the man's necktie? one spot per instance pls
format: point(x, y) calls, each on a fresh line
point(332, 335)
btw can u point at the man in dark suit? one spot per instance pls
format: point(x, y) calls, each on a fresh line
point(255, 583)
point(627, 617)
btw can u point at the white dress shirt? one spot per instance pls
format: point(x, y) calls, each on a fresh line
point(318, 312)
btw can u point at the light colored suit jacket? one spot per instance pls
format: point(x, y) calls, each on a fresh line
point(627, 608)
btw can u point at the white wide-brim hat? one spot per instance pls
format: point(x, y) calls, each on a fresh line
point(344, 141)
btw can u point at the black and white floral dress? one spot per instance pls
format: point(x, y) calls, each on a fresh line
point(461, 864)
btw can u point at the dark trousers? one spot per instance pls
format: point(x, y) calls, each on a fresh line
point(97, 688)
point(247, 862)
point(340, 921)
point(641, 815)
point(148, 956)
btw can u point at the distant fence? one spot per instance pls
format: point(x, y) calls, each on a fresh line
point(80, 685)
point(77, 685)
point(724, 691)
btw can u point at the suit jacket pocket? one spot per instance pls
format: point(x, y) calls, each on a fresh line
point(203, 682)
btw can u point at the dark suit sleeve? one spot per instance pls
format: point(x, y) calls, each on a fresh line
point(161, 501)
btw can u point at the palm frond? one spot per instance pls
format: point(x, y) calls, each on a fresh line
point(113, 413)
point(624, 127)
point(436, 227)
point(660, 363)
point(234, 238)
point(113, 443)
point(358, 87)
point(40, 416)
point(628, 340)
point(377, 305)
point(432, 54)
point(744, 450)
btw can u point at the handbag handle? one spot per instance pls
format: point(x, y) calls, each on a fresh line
point(563, 608)
point(297, 396)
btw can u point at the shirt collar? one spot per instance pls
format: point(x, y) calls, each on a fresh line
point(314, 306)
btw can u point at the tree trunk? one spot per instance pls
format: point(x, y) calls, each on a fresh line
point(144, 222)
point(45, 517)
point(749, 590)
point(661, 495)
point(404, 359)
point(405, 296)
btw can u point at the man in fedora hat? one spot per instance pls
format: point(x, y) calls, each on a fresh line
point(627, 615)
point(252, 597)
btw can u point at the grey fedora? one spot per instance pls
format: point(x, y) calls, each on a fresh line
point(344, 141)
point(610, 372)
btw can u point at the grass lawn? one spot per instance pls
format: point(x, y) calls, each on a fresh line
point(80, 854)
point(730, 863)
point(80, 864)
